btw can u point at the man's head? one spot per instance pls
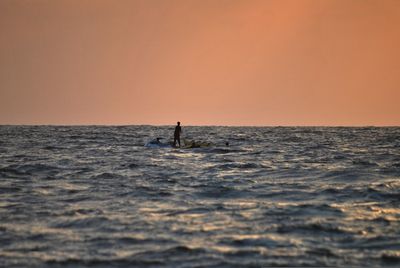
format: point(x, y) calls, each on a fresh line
point(178, 123)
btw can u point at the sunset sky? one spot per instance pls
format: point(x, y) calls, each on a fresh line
point(202, 62)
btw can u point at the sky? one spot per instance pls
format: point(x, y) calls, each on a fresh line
point(201, 62)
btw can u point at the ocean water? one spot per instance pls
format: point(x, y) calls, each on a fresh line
point(95, 196)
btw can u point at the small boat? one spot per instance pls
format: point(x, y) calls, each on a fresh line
point(156, 143)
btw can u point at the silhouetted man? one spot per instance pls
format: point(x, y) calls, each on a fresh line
point(177, 134)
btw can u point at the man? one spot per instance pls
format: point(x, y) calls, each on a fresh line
point(177, 134)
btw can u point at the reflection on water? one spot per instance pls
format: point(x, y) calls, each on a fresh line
point(95, 196)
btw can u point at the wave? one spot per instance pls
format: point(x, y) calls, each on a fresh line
point(95, 196)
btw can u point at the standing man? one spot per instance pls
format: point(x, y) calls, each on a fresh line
point(177, 134)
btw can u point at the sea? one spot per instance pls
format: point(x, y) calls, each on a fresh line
point(95, 196)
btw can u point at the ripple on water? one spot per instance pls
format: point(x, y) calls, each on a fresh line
point(284, 196)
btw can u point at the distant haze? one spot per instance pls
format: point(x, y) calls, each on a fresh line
point(202, 62)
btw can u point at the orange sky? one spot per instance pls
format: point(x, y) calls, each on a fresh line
point(203, 62)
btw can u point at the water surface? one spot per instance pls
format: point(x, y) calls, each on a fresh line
point(95, 196)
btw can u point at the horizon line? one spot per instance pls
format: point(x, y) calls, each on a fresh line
point(201, 125)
